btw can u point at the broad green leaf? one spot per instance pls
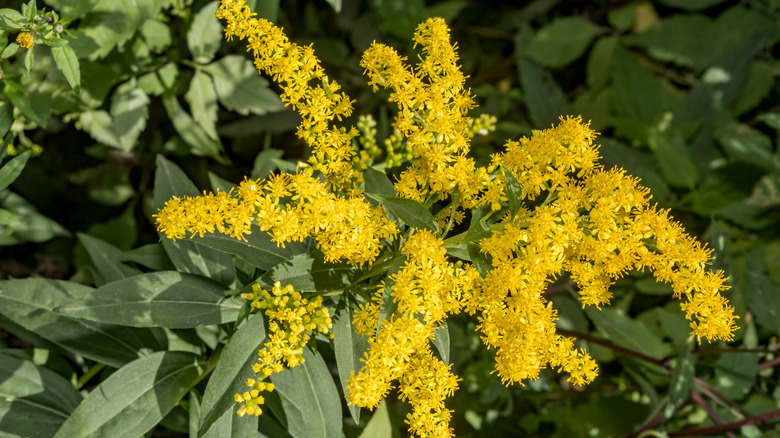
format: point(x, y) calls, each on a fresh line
point(6, 117)
point(152, 255)
point(636, 93)
point(218, 183)
point(30, 392)
point(229, 377)
point(190, 132)
point(600, 61)
point(9, 219)
point(273, 122)
point(203, 102)
point(12, 169)
point(157, 35)
point(158, 299)
point(34, 228)
point(11, 19)
point(99, 125)
point(240, 87)
point(29, 59)
point(258, 249)
point(759, 84)
point(205, 34)
point(229, 424)
point(561, 42)
point(107, 260)
point(746, 144)
point(388, 306)
point(626, 332)
point(349, 348)
point(761, 296)
point(310, 272)
point(129, 111)
point(378, 183)
point(30, 303)
point(34, 106)
point(310, 399)
point(186, 255)
point(134, 399)
point(543, 97)
point(514, 192)
point(68, 64)
point(379, 426)
point(411, 212)
point(735, 373)
point(156, 82)
point(441, 340)
point(674, 159)
point(264, 163)
point(9, 51)
point(681, 382)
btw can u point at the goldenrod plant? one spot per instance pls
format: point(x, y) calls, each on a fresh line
point(542, 207)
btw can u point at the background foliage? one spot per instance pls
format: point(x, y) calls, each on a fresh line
point(115, 110)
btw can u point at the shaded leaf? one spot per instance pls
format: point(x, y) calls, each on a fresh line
point(379, 426)
point(258, 249)
point(310, 272)
point(190, 132)
point(68, 64)
point(411, 212)
point(240, 88)
point(203, 102)
point(349, 347)
point(674, 160)
point(12, 169)
point(561, 42)
point(681, 382)
point(626, 332)
point(205, 34)
point(543, 97)
point(129, 112)
point(107, 260)
point(441, 340)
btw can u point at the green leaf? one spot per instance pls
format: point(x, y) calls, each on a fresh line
point(11, 19)
point(761, 295)
point(335, 4)
point(258, 249)
point(636, 93)
point(674, 159)
point(190, 132)
point(478, 259)
point(626, 332)
point(240, 87)
point(233, 369)
point(157, 35)
point(379, 426)
point(692, 5)
point(561, 42)
point(203, 102)
point(34, 228)
point(158, 299)
point(99, 125)
point(349, 348)
point(681, 382)
point(134, 399)
point(152, 255)
point(35, 107)
point(8, 218)
point(205, 34)
point(264, 163)
point(735, 373)
point(411, 212)
point(6, 117)
point(186, 255)
point(543, 97)
point(310, 400)
point(129, 112)
point(377, 182)
point(600, 62)
point(229, 424)
point(12, 169)
point(388, 306)
point(107, 260)
point(514, 191)
point(29, 59)
point(68, 64)
point(30, 303)
point(746, 144)
point(10, 50)
point(29, 392)
point(441, 340)
point(310, 272)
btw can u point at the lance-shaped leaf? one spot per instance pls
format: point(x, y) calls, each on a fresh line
point(626, 332)
point(159, 299)
point(29, 391)
point(134, 399)
point(258, 249)
point(349, 347)
point(230, 375)
point(441, 340)
point(30, 303)
point(68, 64)
point(310, 399)
point(107, 260)
point(12, 169)
point(311, 273)
point(411, 212)
point(514, 192)
point(681, 383)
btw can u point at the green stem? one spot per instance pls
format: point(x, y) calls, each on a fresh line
point(89, 375)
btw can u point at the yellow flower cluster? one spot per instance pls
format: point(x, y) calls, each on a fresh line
point(25, 39)
point(560, 212)
point(290, 206)
point(291, 321)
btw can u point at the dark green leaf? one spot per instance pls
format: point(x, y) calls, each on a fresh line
point(258, 249)
point(349, 347)
point(35, 107)
point(129, 111)
point(12, 169)
point(34, 228)
point(388, 306)
point(761, 296)
point(157, 299)
point(681, 382)
point(230, 375)
point(411, 212)
point(441, 340)
point(153, 256)
point(264, 163)
point(600, 61)
point(735, 373)
point(636, 93)
point(203, 102)
point(30, 303)
point(205, 34)
point(6, 117)
point(30, 392)
point(107, 260)
point(377, 182)
point(190, 132)
point(561, 42)
point(134, 399)
point(310, 399)
point(478, 259)
point(692, 5)
point(674, 159)
point(310, 272)
point(543, 97)
point(626, 332)
point(68, 64)
point(746, 144)
point(240, 88)
point(514, 192)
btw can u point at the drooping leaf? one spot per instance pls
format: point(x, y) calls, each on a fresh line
point(441, 340)
point(107, 260)
point(68, 64)
point(310, 399)
point(12, 169)
point(30, 303)
point(229, 377)
point(514, 191)
point(411, 212)
point(27, 392)
point(190, 132)
point(349, 347)
point(135, 398)
point(157, 299)
point(310, 272)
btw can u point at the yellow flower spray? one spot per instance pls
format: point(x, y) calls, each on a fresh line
point(545, 204)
